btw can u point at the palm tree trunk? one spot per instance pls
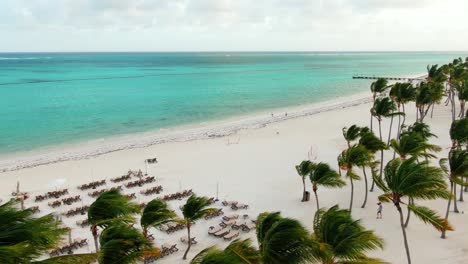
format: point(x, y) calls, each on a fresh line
point(95, 236)
point(390, 130)
point(372, 185)
point(316, 199)
point(455, 206)
point(399, 124)
point(448, 208)
point(405, 239)
point(461, 194)
point(410, 201)
point(365, 191)
point(466, 186)
point(189, 241)
point(352, 195)
point(432, 111)
point(381, 151)
point(304, 190)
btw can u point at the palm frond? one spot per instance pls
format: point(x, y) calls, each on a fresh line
point(429, 216)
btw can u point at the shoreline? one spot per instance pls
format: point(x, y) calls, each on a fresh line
point(204, 130)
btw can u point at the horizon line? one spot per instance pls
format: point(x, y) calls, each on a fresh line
point(246, 51)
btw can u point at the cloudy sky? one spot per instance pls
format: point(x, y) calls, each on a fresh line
point(243, 25)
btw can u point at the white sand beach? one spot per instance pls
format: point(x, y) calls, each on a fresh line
point(255, 168)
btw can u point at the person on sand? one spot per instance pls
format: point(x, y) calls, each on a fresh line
point(379, 210)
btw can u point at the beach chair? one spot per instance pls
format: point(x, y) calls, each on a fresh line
point(248, 226)
point(222, 232)
point(230, 217)
point(227, 223)
point(231, 235)
point(212, 230)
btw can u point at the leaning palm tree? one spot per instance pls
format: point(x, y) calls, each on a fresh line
point(383, 107)
point(462, 91)
point(24, 238)
point(351, 134)
point(417, 180)
point(428, 94)
point(459, 133)
point(371, 142)
point(355, 156)
point(283, 240)
point(194, 209)
point(303, 170)
point(322, 174)
point(155, 214)
point(110, 207)
point(413, 144)
point(402, 93)
point(237, 252)
point(377, 87)
point(456, 171)
point(123, 244)
point(343, 239)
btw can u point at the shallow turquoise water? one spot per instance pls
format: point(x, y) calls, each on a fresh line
point(52, 98)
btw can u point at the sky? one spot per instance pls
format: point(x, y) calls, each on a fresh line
point(233, 25)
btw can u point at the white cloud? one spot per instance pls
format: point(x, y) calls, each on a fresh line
point(233, 25)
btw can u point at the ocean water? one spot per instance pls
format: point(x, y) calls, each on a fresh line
point(48, 99)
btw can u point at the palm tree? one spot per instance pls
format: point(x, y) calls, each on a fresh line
point(110, 207)
point(402, 93)
point(417, 180)
point(458, 165)
point(459, 133)
point(155, 214)
point(462, 91)
point(23, 238)
point(237, 252)
point(303, 170)
point(355, 156)
point(435, 74)
point(377, 87)
point(372, 143)
point(194, 209)
point(383, 107)
point(351, 134)
point(322, 174)
point(283, 240)
point(428, 94)
point(343, 239)
point(123, 244)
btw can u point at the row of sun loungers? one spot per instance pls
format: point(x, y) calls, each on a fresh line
point(140, 182)
point(235, 205)
point(166, 250)
point(152, 190)
point(79, 210)
point(91, 185)
point(83, 222)
point(172, 227)
point(67, 201)
point(72, 199)
point(68, 249)
point(53, 194)
point(177, 195)
point(224, 232)
point(121, 178)
point(214, 214)
point(99, 192)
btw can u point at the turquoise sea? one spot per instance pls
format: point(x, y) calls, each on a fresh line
point(49, 99)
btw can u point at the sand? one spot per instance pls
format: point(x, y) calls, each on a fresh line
point(256, 168)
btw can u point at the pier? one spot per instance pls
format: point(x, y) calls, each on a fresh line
point(389, 78)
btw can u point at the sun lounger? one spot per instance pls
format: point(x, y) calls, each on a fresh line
point(229, 217)
point(231, 235)
point(223, 232)
point(213, 230)
point(248, 226)
point(227, 223)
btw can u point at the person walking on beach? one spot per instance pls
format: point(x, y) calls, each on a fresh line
point(379, 210)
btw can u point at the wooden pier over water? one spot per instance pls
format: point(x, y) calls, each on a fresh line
point(389, 78)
